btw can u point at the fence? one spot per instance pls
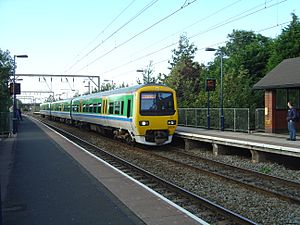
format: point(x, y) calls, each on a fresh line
point(235, 119)
point(5, 123)
point(260, 119)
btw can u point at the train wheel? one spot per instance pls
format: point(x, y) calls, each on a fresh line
point(130, 141)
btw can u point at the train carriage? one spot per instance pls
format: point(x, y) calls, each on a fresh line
point(145, 114)
point(45, 109)
point(61, 109)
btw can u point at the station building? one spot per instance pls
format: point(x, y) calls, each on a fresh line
point(280, 84)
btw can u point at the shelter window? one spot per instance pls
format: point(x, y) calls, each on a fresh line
point(293, 95)
point(281, 99)
point(284, 95)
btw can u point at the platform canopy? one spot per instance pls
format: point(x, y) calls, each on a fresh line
point(284, 75)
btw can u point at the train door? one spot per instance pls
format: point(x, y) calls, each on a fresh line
point(128, 108)
point(104, 105)
point(80, 106)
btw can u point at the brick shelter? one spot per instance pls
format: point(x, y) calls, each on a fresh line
point(280, 84)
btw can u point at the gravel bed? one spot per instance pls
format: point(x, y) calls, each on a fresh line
point(269, 168)
point(259, 208)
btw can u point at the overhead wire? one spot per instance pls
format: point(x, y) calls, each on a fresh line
point(214, 27)
point(138, 34)
point(237, 17)
point(202, 48)
point(191, 25)
point(170, 45)
point(151, 3)
point(98, 35)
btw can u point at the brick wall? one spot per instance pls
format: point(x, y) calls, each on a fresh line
point(270, 111)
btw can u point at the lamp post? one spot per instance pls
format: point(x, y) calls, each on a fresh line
point(221, 88)
point(15, 126)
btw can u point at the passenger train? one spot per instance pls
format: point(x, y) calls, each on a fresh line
point(145, 114)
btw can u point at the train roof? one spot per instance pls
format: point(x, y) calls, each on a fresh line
point(117, 91)
point(59, 101)
point(107, 93)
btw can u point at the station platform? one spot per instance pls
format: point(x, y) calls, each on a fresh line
point(257, 143)
point(46, 179)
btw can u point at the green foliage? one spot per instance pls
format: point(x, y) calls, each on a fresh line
point(287, 44)
point(185, 73)
point(244, 62)
point(6, 69)
point(106, 87)
point(265, 170)
point(148, 76)
point(248, 51)
point(185, 52)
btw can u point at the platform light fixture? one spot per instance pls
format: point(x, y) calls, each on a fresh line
point(221, 88)
point(15, 125)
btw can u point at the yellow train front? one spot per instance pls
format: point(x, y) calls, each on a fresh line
point(155, 114)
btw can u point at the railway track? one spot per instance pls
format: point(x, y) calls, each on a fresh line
point(266, 184)
point(199, 206)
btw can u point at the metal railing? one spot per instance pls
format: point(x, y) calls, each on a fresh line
point(236, 119)
point(260, 119)
point(5, 123)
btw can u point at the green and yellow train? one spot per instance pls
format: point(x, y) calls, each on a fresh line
point(145, 114)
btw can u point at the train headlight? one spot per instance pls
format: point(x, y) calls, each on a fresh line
point(171, 122)
point(144, 123)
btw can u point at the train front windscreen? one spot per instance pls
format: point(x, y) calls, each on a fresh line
point(157, 104)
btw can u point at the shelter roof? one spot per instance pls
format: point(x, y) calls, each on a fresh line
point(285, 75)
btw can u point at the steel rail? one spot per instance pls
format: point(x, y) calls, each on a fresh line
point(287, 195)
point(186, 199)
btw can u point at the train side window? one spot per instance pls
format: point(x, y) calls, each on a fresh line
point(122, 107)
point(128, 108)
point(90, 108)
point(94, 108)
point(111, 108)
point(117, 108)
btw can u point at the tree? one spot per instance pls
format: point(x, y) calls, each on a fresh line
point(249, 51)
point(184, 74)
point(185, 51)
point(244, 57)
point(6, 69)
point(148, 76)
point(287, 44)
point(107, 87)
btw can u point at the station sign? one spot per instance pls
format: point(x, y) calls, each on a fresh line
point(17, 88)
point(210, 84)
